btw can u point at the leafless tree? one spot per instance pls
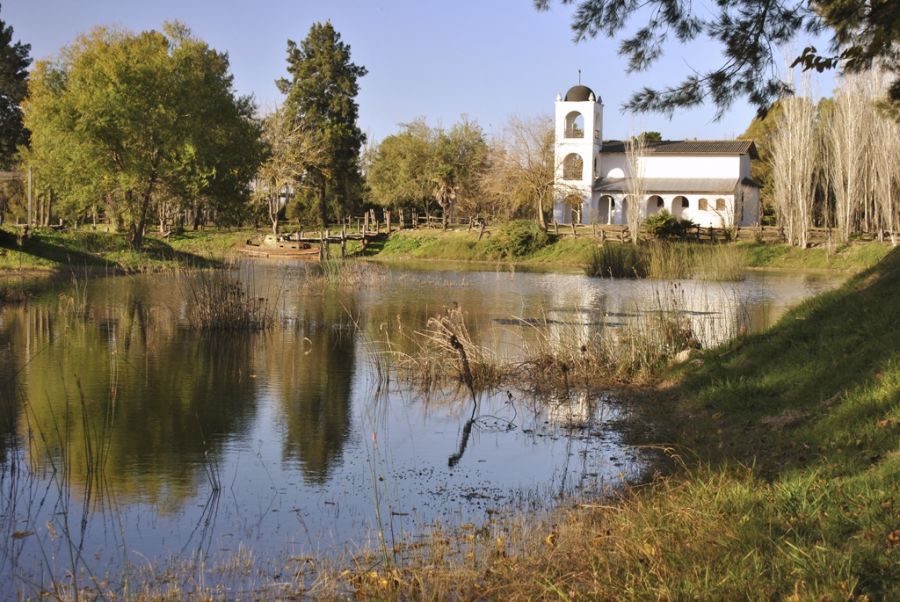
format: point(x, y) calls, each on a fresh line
point(292, 149)
point(522, 169)
point(635, 149)
point(793, 161)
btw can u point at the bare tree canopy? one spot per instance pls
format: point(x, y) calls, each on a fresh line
point(750, 32)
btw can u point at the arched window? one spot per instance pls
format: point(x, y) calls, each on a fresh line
point(573, 167)
point(702, 204)
point(574, 125)
point(720, 204)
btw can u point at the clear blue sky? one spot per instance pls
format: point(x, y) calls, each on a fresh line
point(486, 59)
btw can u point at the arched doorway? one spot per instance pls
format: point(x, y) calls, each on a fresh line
point(679, 204)
point(606, 207)
point(654, 204)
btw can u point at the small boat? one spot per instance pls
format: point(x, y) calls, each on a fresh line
point(277, 247)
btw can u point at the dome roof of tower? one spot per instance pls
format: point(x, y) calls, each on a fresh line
point(580, 93)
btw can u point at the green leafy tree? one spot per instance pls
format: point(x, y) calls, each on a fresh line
point(14, 62)
point(321, 94)
point(760, 131)
point(864, 33)
point(460, 161)
point(421, 165)
point(135, 120)
point(399, 168)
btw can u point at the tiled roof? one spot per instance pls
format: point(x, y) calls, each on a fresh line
point(689, 147)
point(671, 185)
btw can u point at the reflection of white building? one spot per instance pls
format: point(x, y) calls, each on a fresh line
point(706, 181)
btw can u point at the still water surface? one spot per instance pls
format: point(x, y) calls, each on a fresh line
point(127, 438)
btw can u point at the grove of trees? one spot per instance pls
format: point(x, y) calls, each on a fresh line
point(836, 165)
point(140, 124)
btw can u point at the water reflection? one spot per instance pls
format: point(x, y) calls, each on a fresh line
point(122, 386)
point(313, 366)
point(102, 381)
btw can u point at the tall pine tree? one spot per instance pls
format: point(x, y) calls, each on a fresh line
point(321, 96)
point(14, 63)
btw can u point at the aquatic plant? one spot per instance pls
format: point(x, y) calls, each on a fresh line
point(216, 301)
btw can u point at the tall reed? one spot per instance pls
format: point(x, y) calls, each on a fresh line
point(216, 301)
point(668, 260)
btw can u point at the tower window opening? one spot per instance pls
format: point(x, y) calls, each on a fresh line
point(573, 167)
point(574, 125)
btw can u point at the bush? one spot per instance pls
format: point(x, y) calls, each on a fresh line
point(517, 239)
point(664, 225)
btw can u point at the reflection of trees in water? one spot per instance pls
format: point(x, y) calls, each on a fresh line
point(126, 384)
point(9, 368)
point(314, 367)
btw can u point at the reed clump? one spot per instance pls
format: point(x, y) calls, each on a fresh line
point(446, 351)
point(218, 302)
point(669, 260)
point(617, 261)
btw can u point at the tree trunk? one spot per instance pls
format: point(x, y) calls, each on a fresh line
point(323, 207)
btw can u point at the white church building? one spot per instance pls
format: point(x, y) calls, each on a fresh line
point(705, 181)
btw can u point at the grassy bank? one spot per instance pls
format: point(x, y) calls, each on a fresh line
point(568, 252)
point(465, 246)
point(49, 250)
point(785, 480)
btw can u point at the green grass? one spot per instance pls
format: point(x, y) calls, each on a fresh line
point(851, 257)
point(53, 250)
point(465, 246)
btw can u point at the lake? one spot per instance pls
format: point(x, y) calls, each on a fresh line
point(128, 439)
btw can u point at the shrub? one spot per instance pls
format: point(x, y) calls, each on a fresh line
point(664, 225)
point(517, 239)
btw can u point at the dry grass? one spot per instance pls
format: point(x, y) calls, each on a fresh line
point(218, 302)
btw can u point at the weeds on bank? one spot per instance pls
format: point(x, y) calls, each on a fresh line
point(551, 356)
point(669, 261)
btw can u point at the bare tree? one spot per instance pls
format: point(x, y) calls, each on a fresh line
point(635, 149)
point(885, 153)
point(293, 149)
point(848, 134)
point(522, 170)
point(793, 162)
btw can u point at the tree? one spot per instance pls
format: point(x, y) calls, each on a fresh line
point(460, 161)
point(292, 151)
point(321, 93)
point(423, 164)
point(864, 32)
point(399, 168)
point(134, 120)
point(14, 63)
point(793, 168)
point(635, 150)
point(521, 173)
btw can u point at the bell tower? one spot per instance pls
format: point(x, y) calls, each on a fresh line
point(579, 138)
